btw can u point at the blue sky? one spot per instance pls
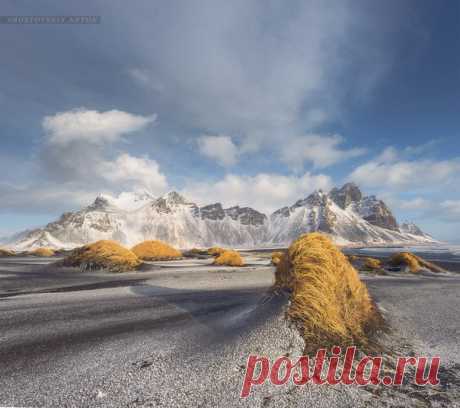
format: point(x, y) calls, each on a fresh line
point(250, 102)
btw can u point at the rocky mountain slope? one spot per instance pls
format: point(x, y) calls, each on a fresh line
point(130, 218)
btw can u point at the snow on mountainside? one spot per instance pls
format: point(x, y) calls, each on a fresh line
point(129, 201)
point(347, 216)
point(411, 228)
point(132, 217)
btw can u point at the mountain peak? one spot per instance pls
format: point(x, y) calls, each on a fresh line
point(169, 201)
point(174, 219)
point(347, 194)
point(411, 228)
point(173, 197)
point(127, 201)
point(101, 202)
point(349, 185)
point(315, 198)
point(376, 212)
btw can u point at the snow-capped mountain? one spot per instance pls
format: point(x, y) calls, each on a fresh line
point(344, 214)
point(370, 208)
point(411, 228)
point(132, 217)
point(170, 218)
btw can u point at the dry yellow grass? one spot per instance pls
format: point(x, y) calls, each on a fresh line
point(372, 263)
point(413, 262)
point(328, 299)
point(103, 254)
point(42, 252)
point(216, 251)
point(283, 275)
point(276, 257)
point(6, 252)
point(230, 258)
point(155, 251)
point(352, 258)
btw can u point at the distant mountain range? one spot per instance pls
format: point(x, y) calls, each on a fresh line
point(130, 218)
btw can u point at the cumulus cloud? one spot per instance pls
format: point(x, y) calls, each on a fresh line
point(79, 160)
point(79, 149)
point(320, 150)
point(92, 126)
point(220, 148)
point(390, 171)
point(264, 74)
point(389, 154)
point(137, 172)
point(264, 192)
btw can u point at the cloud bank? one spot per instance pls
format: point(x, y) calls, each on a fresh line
point(79, 159)
point(392, 171)
point(264, 192)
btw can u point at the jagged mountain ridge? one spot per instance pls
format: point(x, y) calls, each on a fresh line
point(343, 213)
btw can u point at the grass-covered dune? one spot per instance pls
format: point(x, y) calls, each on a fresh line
point(328, 300)
point(276, 257)
point(229, 258)
point(413, 263)
point(42, 252)
point(104, 254)
point(155, 251)
point(216, 251)
point(6, 252)
point(372, 263)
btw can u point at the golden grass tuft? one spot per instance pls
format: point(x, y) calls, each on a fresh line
point(283, 276)
point(45, 252)
point(6, 252)
point(216, 251)
point(276, 257)
point(413, 262)
point(156, 251)
point(229, 258)
point(328, 299)
point(103, 254)
point(372, 263)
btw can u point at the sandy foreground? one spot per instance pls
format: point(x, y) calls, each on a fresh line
point(179, 334)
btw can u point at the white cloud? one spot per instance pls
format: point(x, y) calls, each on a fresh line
point(450, 210)
point(135, 172)
point(320, 150)
point(422, 148)
point(80, 159)
point(398, 202)
point(264, 192)
point(92, 126)
point(220, 148)
point(79, 149)
point(389, 154)
point(45, 197)
point(249, 69)
point(417, 203)
point(388, 171)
